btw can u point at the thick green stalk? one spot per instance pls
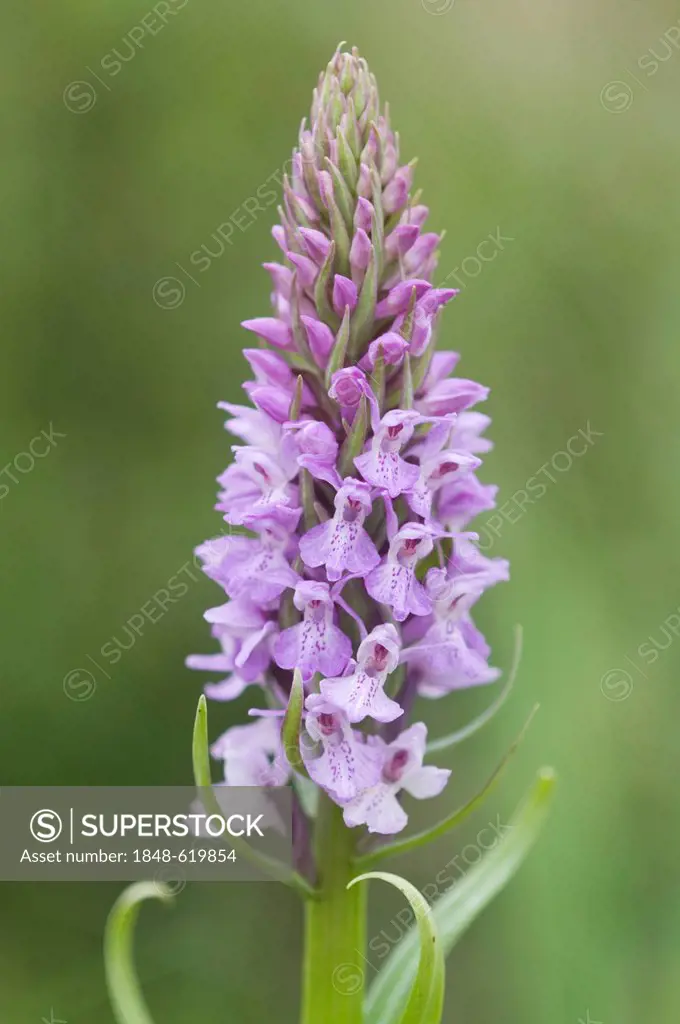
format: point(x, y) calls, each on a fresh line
point(335, 929)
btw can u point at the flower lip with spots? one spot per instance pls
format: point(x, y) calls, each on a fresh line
point(401, 769)
point(361, 693)
point(382, 465)
point(342, 544)
point(347, 765)
point(316, 644)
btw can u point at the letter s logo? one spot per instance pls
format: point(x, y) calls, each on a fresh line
point(46, 826)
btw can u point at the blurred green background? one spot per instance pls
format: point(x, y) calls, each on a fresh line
point(555, 124)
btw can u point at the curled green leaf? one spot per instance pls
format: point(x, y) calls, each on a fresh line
point(127, 1001)
point(455, 911)
point(423, 1003)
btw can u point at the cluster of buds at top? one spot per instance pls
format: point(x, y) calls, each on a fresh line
point(354, 481)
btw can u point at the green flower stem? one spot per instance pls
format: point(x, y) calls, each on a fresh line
point(335, 928)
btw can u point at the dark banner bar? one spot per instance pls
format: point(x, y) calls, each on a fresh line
point(88, 834)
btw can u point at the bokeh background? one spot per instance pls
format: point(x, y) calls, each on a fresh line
point(553, 123)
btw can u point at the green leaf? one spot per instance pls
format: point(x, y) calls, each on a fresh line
point(308, 794)
point(342, 194)
point(452, 820)
point(298, 213)
point(296, 401)
point(288, 613)
point(354, 442)
point(424, 1002)
point(292, 723)
point(311, 151)
point(363, 319)
point(268, 865)
point(309, 514)
point(323, 305)
point(406, 384)
point(454, 738)
point(377, 378)
point(298, 362)
point(340, 236)
point(200, 749)
point(339, 351)
point(353, 128)
point(455, 911)
point(377, 222)
point(127, 1001)
point(348, 165)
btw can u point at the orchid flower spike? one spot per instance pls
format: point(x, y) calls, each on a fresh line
point(352, 481)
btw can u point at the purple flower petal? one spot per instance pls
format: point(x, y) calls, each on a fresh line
point(272, 330)
point(344, 294)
